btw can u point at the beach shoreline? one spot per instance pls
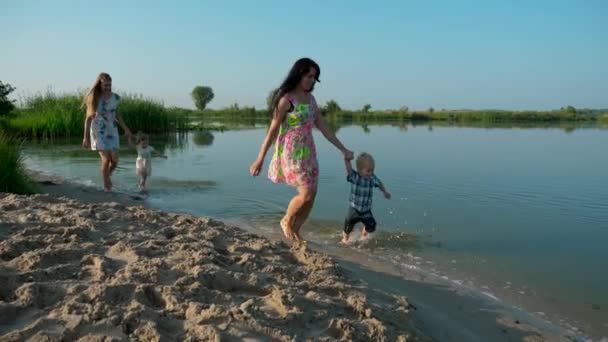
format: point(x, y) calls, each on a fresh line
point(372, 302)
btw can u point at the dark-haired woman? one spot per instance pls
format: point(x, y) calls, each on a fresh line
point(294, 162)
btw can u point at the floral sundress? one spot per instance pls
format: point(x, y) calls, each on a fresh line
point(295, 157)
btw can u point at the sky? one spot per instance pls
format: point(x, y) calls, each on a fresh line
point(475, 54)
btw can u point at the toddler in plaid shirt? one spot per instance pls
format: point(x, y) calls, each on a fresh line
point(363, 181)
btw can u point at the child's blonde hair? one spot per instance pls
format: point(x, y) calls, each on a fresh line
point(365, 159)
point(141, 136)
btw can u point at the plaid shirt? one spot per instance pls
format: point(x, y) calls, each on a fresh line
point(361, 191)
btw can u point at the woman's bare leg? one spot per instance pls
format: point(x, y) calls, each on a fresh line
point(304, 213)
point(105, 170)
point(113, 160)
point(302, 201)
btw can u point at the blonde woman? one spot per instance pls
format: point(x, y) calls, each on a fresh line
point(100, 125)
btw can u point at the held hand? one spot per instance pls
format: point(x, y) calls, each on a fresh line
point(255, 167)
point(86, 143)
point(387, 195)
point(348, 154)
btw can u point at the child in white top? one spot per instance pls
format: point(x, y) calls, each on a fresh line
point(143, 163)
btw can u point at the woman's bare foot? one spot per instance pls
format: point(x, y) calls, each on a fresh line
point(287, 231)
point(299, 237)
point(107, 184)
point(296, 233)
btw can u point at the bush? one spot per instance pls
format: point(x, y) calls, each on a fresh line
point(12, 173)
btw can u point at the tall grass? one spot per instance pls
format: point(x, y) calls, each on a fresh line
point(50, 115)
point(149, 115)
point(461, 115)
point(12, 173)
point(247, 114)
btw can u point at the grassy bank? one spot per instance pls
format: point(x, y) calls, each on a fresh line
point(51, 115)
point(12, 173)
point(249, 114)
point(246, 119)
point(464, 115)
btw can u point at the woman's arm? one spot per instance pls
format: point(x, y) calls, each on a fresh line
point(331, 137)
point(277, 119)
point(86, 140)
point(122, 124)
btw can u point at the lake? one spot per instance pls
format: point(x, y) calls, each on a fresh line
point(517, 213)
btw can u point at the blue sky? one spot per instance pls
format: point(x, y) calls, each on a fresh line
point(510, 54)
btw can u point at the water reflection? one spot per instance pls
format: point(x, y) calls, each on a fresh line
point(202, 138)
point(235, 123)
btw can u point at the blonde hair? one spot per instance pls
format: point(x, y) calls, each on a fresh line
point(365, 159)
point(141, 136)
point(92, 96)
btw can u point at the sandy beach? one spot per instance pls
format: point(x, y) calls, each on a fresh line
point(77, 264)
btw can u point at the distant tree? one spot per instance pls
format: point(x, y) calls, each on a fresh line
point(366, 108)
point(332, 107)
point(570, 109)
point(6, 105)
point(201, 96)
point(404, 109)
point(431, 110)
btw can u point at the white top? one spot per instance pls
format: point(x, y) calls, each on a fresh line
point(145, 152)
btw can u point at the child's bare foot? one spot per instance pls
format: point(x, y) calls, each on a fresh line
point(345, 238)
point(287, 231)
point(364, 234)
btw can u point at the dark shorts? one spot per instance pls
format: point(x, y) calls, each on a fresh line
point(354, 216)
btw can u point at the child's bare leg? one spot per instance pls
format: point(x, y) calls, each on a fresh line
point(142, 182)
point(345, 237)
point(364, 233)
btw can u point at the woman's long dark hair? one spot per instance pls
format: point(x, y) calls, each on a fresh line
point(300, 68)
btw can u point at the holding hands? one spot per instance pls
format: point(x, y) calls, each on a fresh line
point(348, 154)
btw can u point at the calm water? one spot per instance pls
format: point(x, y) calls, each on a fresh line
point(518, 213)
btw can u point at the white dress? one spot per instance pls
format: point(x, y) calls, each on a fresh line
point(104, 132)
point(143, 164)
